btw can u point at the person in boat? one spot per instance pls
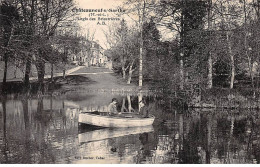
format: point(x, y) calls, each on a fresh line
point(112, 107)
point(144, 109)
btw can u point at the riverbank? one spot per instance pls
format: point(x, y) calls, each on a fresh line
point(81, 78)
point(226, 98)
point(94, 79)
point(102, 80)
point(17, 74)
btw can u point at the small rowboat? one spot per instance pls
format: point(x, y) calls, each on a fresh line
point(117, 121)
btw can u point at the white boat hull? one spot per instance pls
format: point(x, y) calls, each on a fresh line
point(111, 121)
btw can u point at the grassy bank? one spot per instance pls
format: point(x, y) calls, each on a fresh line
point(227, 98)
point(14, 73)
point(85, 79)
point(58, 84)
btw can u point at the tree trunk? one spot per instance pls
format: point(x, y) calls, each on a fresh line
point(6, 60)
point(140, 98)
point(232, 72)
point(30, 22)
point(181, 129)
point(160, 67)
point(27, 72)
point(123, 71)
point(208, 147)
point(5, 73)
point(257, 74)
point(210, 66)
point(131, 70)
point(5, 140)
point(250, 65)
point(141, 21)
point(141, 65)
point(5, 68)
point(130, 109)
point(182, 41)
point(51, 72)
point(15, 72)
point(41, 72)
point(27, 133)
point(64, 73)
point(181, 73)
point(39, 109)
point(51, 103)
point(123, 108)
point(130, 77)
point(257, 80)
point(25, 112)
point(231, 132)
point(250, 68)
point(232, 62)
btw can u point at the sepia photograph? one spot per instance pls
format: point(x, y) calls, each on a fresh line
point(129, 82)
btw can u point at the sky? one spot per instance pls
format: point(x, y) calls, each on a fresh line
point(92, 26)
point(98, 29)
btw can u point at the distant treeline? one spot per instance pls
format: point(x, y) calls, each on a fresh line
point(214, 43)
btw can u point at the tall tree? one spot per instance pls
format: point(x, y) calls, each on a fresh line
point(28, 26)
point(256, 6)
point(139, 11)
point(141, 14)
point(255, 45)
point(124, 44)
point(122, 32)
point(246, 12)
point(210, 66)
point(42, 18)
point(229, 15)
point(9, 18)
point(132, 52)
point(151, 37)
point(117, 39)
point(182, 16)
point(50, 15)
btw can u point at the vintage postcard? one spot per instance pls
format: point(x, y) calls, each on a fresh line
point(129, 82)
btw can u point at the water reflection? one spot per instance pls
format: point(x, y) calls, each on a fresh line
point(109, 133)
point(45, 130)
point(4, 132)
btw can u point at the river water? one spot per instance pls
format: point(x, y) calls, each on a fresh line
point(45, 130)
